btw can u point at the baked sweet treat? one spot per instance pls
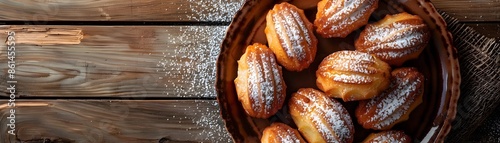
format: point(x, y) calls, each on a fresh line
point(290, 36)
point(281, 133)
point(320, 118)
point(395, 39)
point(259, 84)
point(388, 137)
point(394, 104)
point(352, 75)
point(338, 18)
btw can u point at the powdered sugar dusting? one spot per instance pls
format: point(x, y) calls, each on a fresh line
point(328, 116)
point(349, 78)
point(344, 63)
point(394, 40)
point(213, 10)
point(210, 121)
point(254, 81)
point(287, 135)
point(341, 14)
point(262, 78)
point(389, 137)
point(267, 83)
point(322, 127)
point(188, 61)
point(392, 104)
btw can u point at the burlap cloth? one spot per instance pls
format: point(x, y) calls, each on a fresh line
point(478, 118)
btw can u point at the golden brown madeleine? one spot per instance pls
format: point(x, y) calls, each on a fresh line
point(281, 133)
point(352, 75)
point(338, 18)
point(259, 85)
point(320, 118)
point(395, 39)
point(290, 37)
point(388, 137)
point(394, 104)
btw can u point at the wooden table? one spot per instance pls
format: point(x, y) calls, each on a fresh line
point(131, 70)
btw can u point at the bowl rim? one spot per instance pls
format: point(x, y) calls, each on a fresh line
point(453, 79)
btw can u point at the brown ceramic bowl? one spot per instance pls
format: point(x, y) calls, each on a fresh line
point(429, 122)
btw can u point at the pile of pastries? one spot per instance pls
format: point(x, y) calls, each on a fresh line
point(371, 75)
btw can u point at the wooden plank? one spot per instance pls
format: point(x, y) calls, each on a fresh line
point(470, 10)
point(100, 121)
point(186, 10)
point(118, 10)
point(118, 61)
point(491, 30)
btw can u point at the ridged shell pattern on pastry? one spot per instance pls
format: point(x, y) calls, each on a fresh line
point(395, 103)
point(320, 118)
point(338, 18)
point(395, 39)
point(290, 36)
point(281, 133)
point(388, 137)
point(352, 75)
point(260, 85)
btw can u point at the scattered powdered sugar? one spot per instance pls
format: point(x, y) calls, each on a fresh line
point(393, 104)
point(214, 10)
point(267, 82)
point(386, 32)
point(401, 39)
point(349, 78)
point(328, 117)
point(263, 78)
point(323, 128)
point(342, 15)
point(189, 59)
point(254, 81)
point(211, 121)
point(287, 135)
point(389, 137)
point(349, 61)
point(292, 32)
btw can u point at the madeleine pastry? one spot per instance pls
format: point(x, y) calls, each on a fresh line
point(395, 104)
point(319, 118)
point(281, 133)
point(338, 18)
point(395, 39)
point(259, 85)
point(352, 75)
point(290, 36)
point(388, 137)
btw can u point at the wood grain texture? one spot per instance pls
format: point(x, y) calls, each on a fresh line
point(491, 30)
point(470, 10)
point(40, 11)
point(126, 61)
point(118, 10)
point(99, 121)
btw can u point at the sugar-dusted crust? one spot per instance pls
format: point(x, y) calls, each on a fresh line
point(395, 104)
point(260, 85)
point(338, 18)
point(281, 133)
point(391, 136)
point(395, 39)
point(290, 36)
point(352, 75)
point(320, 118)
